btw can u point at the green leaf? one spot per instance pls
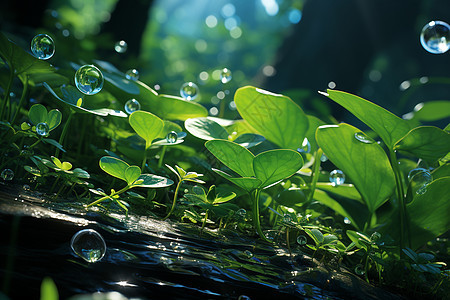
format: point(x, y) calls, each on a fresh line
point(49, 291)
point(276, 117)
point(38, 114)
point(366, 164)
point(176, 108)
point(54, 143)
point(344, 190)
point(80, 173)
point(147, 125)
point(387, 125)
point(181, 171)
point(132, 173)
point(56, 162)
point(66, 166)
point(114, 167)
point(427, 142)
point(122, 83)
point(54, 118)
point(314, 123)
point(234, 156)
point(153, 181)
point(432, 111)
point(205, 129)
point(428, 212)
point(246, 183)
point(249, 140)
point(315, 234)
point(274, 165)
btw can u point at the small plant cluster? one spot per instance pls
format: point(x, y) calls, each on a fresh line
point(274, 163)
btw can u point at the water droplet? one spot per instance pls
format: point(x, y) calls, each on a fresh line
point(360, 136)
point(7, 174)
point(306, 146)
point(243, 297)
point(419, 179)
point(302, 240)
point(121, 47)
point(347, 220)
point(132, 74)
point(323, 158)
point(26, 187)
point(241, 213)
point(375, 236)
point(435, 37)
point(359, 270)
point(42, 129)
point(189, 91)
point(248, 254)
point(225, 76)
point(131, 106)
point(270, 234)
point(337, 177)
point(172, 137)
point(89, 79)
point(43, 46)
point(89, 245)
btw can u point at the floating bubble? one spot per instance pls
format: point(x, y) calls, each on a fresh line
point(89, 245)
point(302, 240)
point(359, 269)
point(172, 137)
point(43, 46)
point(347, 221)
point(419, 179)
point(375, 236)
point(7, 174)
point(360, 136)
point(337, 177)
point(42, 129)
point(189, 91)
point(121, 47)
point(435, 37)
point(225, 76)
point(323, 158)
point(131, 106)
point(26, 187)
point(132, 74)
point(89, 79)
point(241, 213)
point(306, 146)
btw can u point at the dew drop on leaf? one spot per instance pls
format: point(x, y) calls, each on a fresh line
point(337, 177)
point(435, 37)
point(225, 75)
point(248, 254)
point(89, 245)
point(7, 174)
point(359, 269)
point(375, 236)
point(131, 106)
point(89, 79)
point(42, 46)
point(306, 146)
point(360, 136)
point(419, 179)
point(302, 240)
point(172, 137)
point(189, 91)
point(42, 129)
point(347, 220)
point(121, 47)
point(323, 158)
point(241, 213)
point(132, 74)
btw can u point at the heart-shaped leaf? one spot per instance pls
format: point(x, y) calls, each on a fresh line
point(246, 183)
point(274, 165)
point(66, 166)
point(147, 125)
point(205, 129)
point(427, 142)
point(37, 114)
point(152, 181)
point(366, 164)
point(114, 167)
point(387, 125)
point(234, 156)
point(276, 117)
point(249, 140)
point(132, 173)
point(54, 118)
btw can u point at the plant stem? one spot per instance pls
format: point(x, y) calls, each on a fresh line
point(255, 195)
point(109, 196)
point(8, 89)
point(316, 173)
point(204, 220)
point(174, 200)
point(64, 131)
point(22, 99)
point(144, 160)
point(161, 156)
point(288, 243)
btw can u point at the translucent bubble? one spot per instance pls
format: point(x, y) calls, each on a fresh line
point(435, 37)
point(89, 79)
point(189, 91)
point(302, 240)
point(419, 179)
point(323, 158)
point(42, 129)
point(43, 46)
point(248, 254)
point(241, 213)
point(359, 269)
point(121, 47)
point(270, 234)
point(131, 106)
point(172, 137)
point(375, 236)
point(89, 245)
point(337, 177)
point(306, 146)
point(225, 76)
point(26, 187)
point(7, 174)
point(360, 136)
point(347, 220)
point(132, 74)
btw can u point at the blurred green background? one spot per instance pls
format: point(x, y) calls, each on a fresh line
point(294, 47)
